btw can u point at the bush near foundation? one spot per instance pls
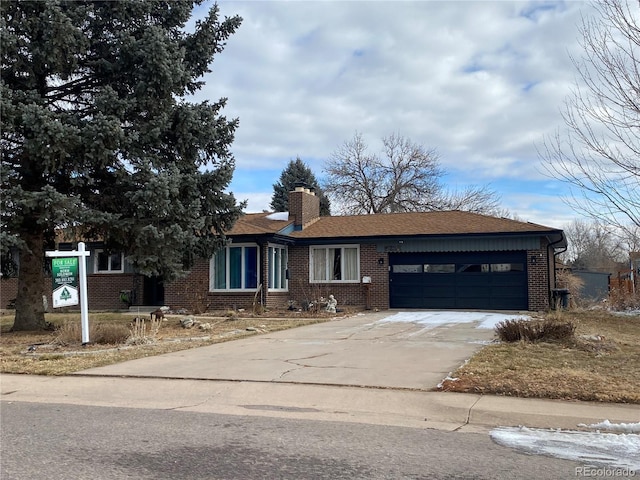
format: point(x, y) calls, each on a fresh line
point(535, 331)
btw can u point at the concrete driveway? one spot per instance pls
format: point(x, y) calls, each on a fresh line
point(364, 350)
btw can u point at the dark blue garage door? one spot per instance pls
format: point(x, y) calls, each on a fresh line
point(474, 280)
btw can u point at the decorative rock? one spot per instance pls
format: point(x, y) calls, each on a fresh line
point(205, 327)
point(187, 322)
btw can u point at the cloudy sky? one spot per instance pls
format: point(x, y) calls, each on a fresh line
point(482, 82)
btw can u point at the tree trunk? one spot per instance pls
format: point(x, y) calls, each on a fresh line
point(29, 301)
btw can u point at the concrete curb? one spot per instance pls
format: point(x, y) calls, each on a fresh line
point(416, 409)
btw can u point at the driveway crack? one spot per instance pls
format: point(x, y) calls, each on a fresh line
point(382, 335)
point(295, 361)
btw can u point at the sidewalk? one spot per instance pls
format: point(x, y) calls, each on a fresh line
point(418, 409)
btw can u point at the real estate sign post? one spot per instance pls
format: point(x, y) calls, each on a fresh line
point(64, 274)
point(68, 269)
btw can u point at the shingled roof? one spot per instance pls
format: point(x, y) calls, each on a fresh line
point(259, 223)
point(416, 223)
point(387, 225)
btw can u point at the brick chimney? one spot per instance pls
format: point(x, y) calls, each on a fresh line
point(304, 207)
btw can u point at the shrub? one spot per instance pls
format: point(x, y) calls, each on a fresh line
point(70, 333)
point(511, 330)
point(565, 279)
point(110, 334)
point(197, 297)
point(557, 331)
point(535, 331)
point(620, 299)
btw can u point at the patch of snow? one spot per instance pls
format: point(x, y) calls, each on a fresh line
point(613, 427)
point(612, 450)
point(432, 319)
point(449, 378)
point(278, 216)
point(626, 312)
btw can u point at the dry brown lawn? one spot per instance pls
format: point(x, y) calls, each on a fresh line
point(60, 352)
point(600, 363)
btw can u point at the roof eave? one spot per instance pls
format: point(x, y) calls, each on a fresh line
point(552, 236)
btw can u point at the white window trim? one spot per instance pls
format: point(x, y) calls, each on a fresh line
point(107, 272)
point(269, 280)
point(342, 246)
point(227, 266)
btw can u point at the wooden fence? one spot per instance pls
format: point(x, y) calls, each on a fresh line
point(622, 283)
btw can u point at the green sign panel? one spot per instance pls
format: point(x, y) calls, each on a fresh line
point(64, 272)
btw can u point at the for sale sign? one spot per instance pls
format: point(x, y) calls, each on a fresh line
point(65, 281)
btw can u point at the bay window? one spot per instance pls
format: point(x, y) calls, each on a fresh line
point(278, 257)
point(234, 267)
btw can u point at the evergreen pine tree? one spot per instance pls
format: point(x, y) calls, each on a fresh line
point(97, 135)
point(297, 172)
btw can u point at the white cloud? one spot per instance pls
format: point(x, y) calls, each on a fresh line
point(256, 201)
point(482, 82)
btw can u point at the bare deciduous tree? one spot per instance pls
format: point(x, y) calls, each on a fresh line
point(595, 246)
point(476, 199)
point(598, 154)
point(406, 177)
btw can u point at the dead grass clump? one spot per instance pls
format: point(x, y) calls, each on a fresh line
point(70, 333)
point(139, 334)
point(110, 334)
point(548, 330)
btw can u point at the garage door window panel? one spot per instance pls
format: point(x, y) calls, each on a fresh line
point(474, 268)
point(507, 267)
point(440, 268)
point(407, 268)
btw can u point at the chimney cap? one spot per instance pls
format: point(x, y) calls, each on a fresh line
point(300, 187)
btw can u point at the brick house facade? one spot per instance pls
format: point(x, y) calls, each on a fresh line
point(403, 260)
point(382, 242)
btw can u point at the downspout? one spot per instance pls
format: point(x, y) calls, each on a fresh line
point(554, 264)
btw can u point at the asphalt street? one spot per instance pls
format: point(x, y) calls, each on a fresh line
point(349, 398)
point(63, 442)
